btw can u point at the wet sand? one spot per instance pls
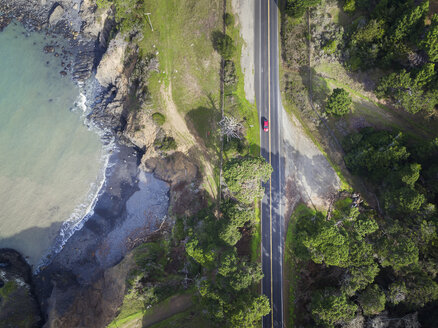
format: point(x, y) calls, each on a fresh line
point(133, 203)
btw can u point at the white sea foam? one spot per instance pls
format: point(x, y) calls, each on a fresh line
point(85, 210)
point(81, 103)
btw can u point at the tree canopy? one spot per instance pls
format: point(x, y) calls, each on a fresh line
point(331, 307)
point(244, 176)
point(339, 103)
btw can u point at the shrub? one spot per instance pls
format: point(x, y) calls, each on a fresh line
point(297, 8)
point(228, 19)
point(223, 44)
point(330, 47)
point(159, 118)
point(339, 103)
point(233, 145)
point(349, 6)
point(165, 144)
point(128, 13)
point(230, 77)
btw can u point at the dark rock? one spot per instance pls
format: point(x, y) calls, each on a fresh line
point(49, 49)
point(18, 306)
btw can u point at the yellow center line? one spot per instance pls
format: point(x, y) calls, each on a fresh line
point(270, 162)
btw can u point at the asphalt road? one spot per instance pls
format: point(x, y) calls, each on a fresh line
point(268, 103)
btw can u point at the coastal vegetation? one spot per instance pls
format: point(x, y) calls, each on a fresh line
point(338, 103)
point(204, 259)
point(360, 76)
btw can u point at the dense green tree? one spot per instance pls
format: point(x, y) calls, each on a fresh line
point(357, 278)
point(212, 300)
point(375, 153)
point(360, 253)
point(408, 23)
point(374, 30)
point(425, 75)
point(234, 308)
point(421, 288)
point(397, 249)
point(349, 6)
point(243, 177)
point(235, 216)
point(200, 254)
point(365, 225)
point(251, 314)
point(406, 92)
point(228, 262)
point(372, 300)
point(330, 307)
point(430, 42)
point(403, 200)
point(339, 103)
point(410, 174)
point(322, 241)
point(245, 276)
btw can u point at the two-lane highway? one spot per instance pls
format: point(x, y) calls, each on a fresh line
point(268, 103)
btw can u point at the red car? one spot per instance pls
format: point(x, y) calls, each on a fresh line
point(265, 125)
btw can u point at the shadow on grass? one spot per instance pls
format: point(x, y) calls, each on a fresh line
point(204, 121)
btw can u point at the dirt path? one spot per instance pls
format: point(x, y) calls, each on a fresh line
point(175, 122)
point(185, 139)
point(167, 309)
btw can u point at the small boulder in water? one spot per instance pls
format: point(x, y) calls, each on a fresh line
point(48, 49)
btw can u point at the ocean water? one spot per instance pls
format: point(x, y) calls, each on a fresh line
point(50, 162)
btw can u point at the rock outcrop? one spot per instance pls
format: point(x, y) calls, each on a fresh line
point(95, 305)
point(18, 306)
point(55, 14)
point(111, 66)
point(75, 301)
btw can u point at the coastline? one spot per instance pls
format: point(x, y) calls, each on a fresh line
point(86, 254)
point(85, 249)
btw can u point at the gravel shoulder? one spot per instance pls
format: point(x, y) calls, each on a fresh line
point(309, 177)
point(245, 14)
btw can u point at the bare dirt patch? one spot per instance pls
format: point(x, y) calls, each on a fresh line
point(313, 177)
point(169, 308)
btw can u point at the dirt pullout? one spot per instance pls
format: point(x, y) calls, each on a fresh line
point(245, 12)
point(307, 171)
point(176, 304)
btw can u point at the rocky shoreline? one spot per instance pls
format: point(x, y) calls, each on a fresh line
point(84, 259)
point(83, 285)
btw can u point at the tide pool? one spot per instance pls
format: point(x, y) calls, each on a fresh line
point(51, 164)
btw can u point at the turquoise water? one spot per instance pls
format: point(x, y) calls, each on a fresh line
point(50, 162)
